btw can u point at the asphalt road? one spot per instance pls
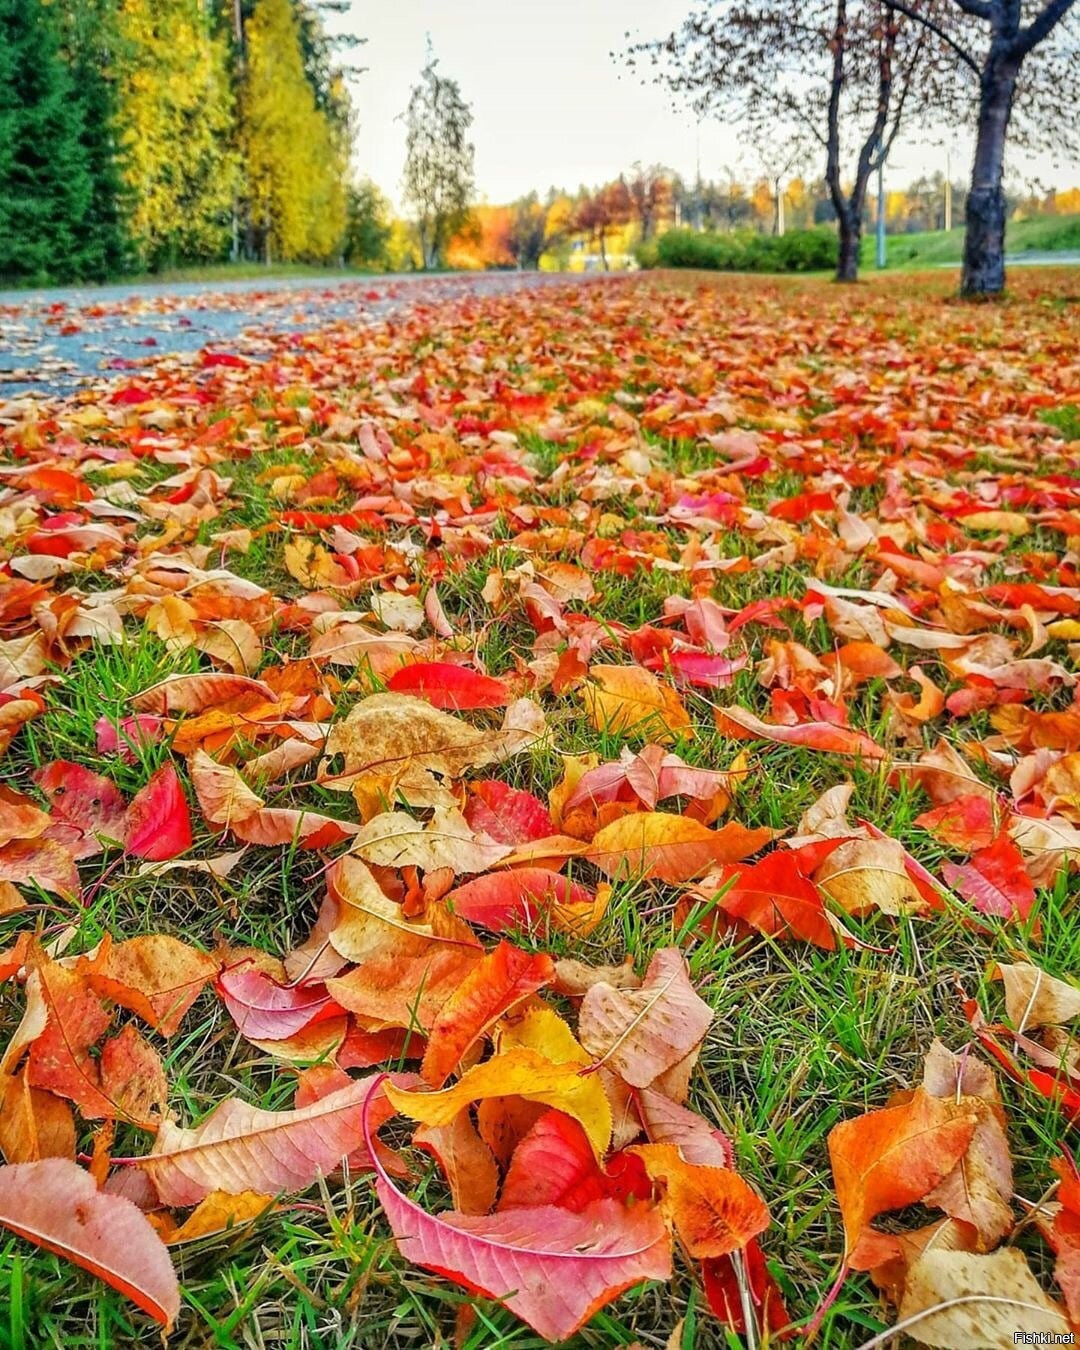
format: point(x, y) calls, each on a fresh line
point(53, 341)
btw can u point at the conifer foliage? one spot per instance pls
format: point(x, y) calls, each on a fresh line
point(148, 133)
point(45, 186)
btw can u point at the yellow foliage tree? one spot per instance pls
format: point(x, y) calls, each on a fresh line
point(294, 161)
point(176, 110)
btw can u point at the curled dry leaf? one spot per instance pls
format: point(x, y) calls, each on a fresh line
point(223, 795)
point(958, 1300)
point(641, 1033)
point(395, 839)
point(1035, 999)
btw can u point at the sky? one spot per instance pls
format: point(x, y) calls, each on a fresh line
point(551, 106)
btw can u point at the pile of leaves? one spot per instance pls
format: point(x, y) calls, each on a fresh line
point(424, 745)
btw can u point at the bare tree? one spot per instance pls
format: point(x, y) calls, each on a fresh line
point(650, 194)
point(824, 72)
point(438, 179)
point(1023, 58)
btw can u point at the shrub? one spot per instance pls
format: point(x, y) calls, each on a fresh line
point(743, 251)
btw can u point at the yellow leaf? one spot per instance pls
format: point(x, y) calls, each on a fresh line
point(632, 700)
point(517, 1073)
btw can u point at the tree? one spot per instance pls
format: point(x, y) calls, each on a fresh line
point(528, 235)
point(91, 47)
point(176, 114)
point(650, 195)
point(293, 157)
point(439, 174)
point(1026, 64)
point(823, 70)
point(599, 213)
point(367, 226)
point(45, 185)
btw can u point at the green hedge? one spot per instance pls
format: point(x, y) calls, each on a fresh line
point(742, 251)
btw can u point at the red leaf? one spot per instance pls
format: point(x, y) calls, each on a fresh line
point(555, 1165)
point(83, 805)
point(995, 881)
point(445, 685)
point(722, 1291)
point(778, 899)
point(158, 824)
point(506, 814)
point(519, 898)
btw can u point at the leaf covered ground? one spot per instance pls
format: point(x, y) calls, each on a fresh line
point(602, 761)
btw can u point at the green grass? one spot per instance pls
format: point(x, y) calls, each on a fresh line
point(1049, 234)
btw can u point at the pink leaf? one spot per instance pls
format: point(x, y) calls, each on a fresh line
point(55, 1204)
point(517, 898)
point(123, 738)
point(995, 880)
point(266, 1011)
point(666, 1122)
point(811, 735)
point(239, 1147)
point(552, 1268)
point(708, 672)
point(158, 824)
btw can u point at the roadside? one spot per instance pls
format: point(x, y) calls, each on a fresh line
point(52, 340)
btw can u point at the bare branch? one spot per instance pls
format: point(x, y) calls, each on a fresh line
point(938, 31)
point(1041, 26)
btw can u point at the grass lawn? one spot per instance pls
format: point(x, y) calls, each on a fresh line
point(561, 469)
point(1044, 234)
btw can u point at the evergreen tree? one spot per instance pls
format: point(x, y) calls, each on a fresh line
point(91, 44)
point(46, 188)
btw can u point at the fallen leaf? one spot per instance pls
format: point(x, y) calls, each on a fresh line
point(641, 1033)
point(56, 1205)
point(957, 1300)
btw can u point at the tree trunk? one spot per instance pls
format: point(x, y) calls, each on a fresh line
point(603, 251)
point(849, 227)
point(984, 234)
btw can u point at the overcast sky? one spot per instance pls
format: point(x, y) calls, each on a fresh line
point(551, 106)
